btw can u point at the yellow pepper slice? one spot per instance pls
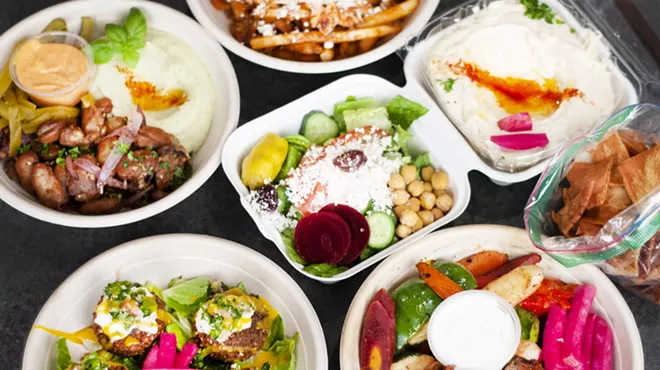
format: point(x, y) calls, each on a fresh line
point(264, 161)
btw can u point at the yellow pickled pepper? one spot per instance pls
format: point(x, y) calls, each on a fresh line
point(264, 161)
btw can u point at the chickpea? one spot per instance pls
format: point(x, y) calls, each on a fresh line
point(418, 225)
point(416, 188)
point(396, 182)
point(427, 172)
point(414, 204)
point(409, 173)
point(428, 187)
point(398, 210)
point(403, 231)
point(437, 214)
point(427, 200)
point(400, 197)
point(438, 193)
point(409, 218)
point(426, 216)
point(444, 203)
point(439, 180)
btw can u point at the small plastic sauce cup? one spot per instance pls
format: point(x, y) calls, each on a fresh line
point(474, 330)
point(67, 96)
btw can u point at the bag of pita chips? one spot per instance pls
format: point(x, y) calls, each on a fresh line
point(599, 201)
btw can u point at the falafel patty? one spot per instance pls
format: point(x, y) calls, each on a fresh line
point(126, 320)
point(231, 327)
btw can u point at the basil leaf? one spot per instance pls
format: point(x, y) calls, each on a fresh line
point(102, 53)
point(135, 44)
point(136, 24)
point(131, 58)
point(116, 33)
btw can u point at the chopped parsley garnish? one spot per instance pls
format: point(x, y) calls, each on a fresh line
point(182, 175)
point(124, 164)
point(448, 84)
point(178, 173)
point(154, 153)
point(165, 165)
point(123, 148)
point(536, 10)
point(24, 148)
point(572, 30)
point(60, 161)
point(150, 172)
point(131, 156)
point(74, 153)
point(44, 149)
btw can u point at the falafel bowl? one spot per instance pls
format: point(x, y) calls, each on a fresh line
point(177, 302)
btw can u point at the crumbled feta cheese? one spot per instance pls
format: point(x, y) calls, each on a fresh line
point(265, 29)
point(328, 44)
point(277, 219)
point(329, 184)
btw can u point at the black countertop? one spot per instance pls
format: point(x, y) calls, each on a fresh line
point(36, 256)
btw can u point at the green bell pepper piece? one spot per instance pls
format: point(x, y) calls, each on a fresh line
point(529, 325)
point(292, 159)
point(456, 273)
point(415, 302)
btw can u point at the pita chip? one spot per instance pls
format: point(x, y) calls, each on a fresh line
point(616, 200)
point(587, 227)
point(641, 173)
point(633, 142)
point(581, 174)
point(625, 264)
point(569, 216)
point(610, 147)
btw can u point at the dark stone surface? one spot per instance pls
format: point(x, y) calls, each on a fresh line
point(37, 257)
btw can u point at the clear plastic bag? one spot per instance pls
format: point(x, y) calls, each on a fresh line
point(627, 245)
point(626, 81)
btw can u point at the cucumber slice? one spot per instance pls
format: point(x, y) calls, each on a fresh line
point(381, 229)
point(285, 204)
point(318, 127)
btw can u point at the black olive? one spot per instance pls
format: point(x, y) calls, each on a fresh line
point(350, 161)
point(267, 198)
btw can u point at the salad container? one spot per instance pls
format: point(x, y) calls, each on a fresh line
point(443, 144)
point(630, 80)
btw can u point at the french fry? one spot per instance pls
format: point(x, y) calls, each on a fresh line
point(366, 44)
point(238, 9)
point(308, 48)
point(272, 14)
point(483, 262)
point(264, 42)
point(327, 55)
point(290, 55)
point(390, 15)
point(220, 4)
point(348, 49)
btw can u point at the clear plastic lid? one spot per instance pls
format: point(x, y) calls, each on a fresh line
point(574, 69)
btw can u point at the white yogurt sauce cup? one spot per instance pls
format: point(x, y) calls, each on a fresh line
point(474, 330)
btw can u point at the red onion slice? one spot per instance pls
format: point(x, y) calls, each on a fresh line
point(68, 162)
point(134, 124)
point(87, 166)
point(120, 131)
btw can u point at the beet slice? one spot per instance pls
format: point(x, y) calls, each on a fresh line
point(386, 300)
point(359, 230)
point(345, 230)
point(377, 341)
point(318, 239)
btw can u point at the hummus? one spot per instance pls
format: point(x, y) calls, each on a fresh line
point(54, 74)
point(170, 83)
point(499, 61)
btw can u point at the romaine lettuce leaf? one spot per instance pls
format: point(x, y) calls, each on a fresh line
point(287, 239)
point(185, 297)
point(63, 355)
point(276, 332)
point(400, 140)
point(422, 160)
point(404, 112)
point(280, 356)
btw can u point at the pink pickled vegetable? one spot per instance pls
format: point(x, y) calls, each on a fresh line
point(581, 302)
point(151, 362)
point(516, 122)
point(588, 340)
point(520, 141)
point(185, 357)
point(602, 348)
point(553, 339)
point(167, 351)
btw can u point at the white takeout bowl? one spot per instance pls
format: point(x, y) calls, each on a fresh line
point(204, 161)
point(70, 307)
point(458, 242)
point(219, 25)
point(445, 145)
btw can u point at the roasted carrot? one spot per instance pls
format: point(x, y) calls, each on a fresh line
point(436, 280)
point(483, 262)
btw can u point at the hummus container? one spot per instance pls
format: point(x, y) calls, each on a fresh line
point(458, 242)
point(225, 110)
point(505, 166)
point(443, 143)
